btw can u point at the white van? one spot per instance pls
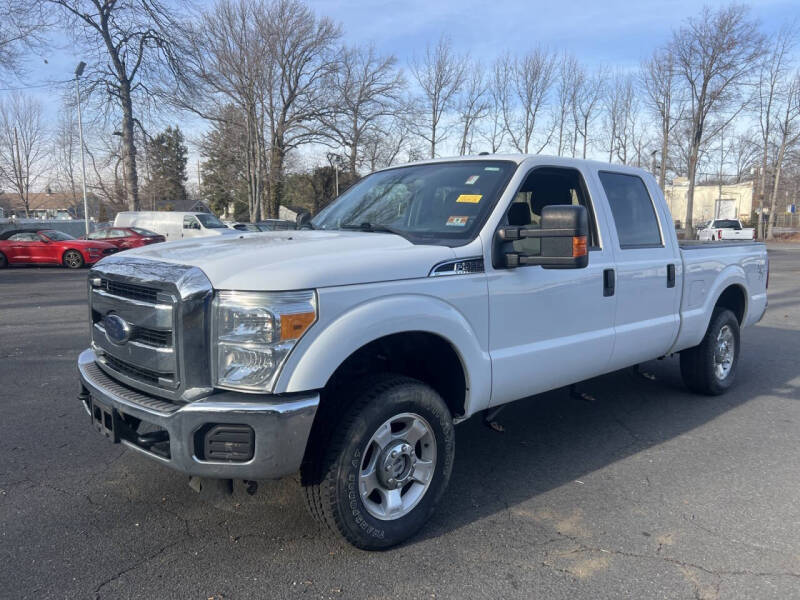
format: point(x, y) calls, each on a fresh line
point(174, 225)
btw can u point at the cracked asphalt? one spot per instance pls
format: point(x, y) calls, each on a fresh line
point(646, 492)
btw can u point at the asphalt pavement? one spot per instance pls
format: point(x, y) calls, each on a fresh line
point(647, 491)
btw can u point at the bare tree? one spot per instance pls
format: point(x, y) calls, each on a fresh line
point(230, 64)
point(715, 52)
point(473, 104)
point(788, 136)
point(21, 28)
point(133, 46)
point(658, 76)
point(618, 105)
point(772, 78)
point(301, 48)
point(532, 77)
point(587, 101)
point(440, 74)
point(498, 103)
point(570, 81)
point(65, 151)
point(23, 146)
point(368, 92)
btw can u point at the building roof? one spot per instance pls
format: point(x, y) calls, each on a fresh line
point(41, 201)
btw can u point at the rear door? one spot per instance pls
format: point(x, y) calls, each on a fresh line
point(549, 327)
point(648, 277)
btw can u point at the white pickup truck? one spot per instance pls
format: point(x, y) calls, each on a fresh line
point(425, 294)
point(725, 229)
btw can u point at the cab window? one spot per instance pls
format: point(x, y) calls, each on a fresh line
point(190, 222)
point(25, 236)
point(633, 211)
point(547, 186)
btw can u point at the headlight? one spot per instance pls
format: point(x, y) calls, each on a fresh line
point(253, 333)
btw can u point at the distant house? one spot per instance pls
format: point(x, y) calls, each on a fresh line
point(46, 205)
point(730, 201)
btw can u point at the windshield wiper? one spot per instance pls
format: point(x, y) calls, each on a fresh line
point(377, 228)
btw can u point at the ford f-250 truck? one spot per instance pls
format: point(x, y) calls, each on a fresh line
point(425, 294)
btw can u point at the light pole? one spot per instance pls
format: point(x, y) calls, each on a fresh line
point(78, 72)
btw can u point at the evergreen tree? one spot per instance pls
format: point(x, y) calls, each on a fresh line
point(167, 156)
point(224, 171)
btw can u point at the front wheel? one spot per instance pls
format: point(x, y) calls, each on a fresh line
point(710, 367)
point(386, 465)
point(73, 259)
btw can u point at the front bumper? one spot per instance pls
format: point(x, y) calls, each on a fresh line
point(281, 424)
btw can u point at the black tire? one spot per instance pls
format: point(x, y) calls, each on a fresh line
point(339, 452)
point(3, 261)
point(699, 369)
point(72, 259)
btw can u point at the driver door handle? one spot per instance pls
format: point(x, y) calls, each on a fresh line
point(609, 282)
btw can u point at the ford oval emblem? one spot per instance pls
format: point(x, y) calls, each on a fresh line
point(117, 329)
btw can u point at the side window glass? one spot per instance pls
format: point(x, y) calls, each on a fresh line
point(190, 222)
point(633, 210)
point(545, 187)
point(98, 235)
point(116, 233)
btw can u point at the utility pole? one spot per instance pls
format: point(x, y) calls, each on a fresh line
point(78, 72)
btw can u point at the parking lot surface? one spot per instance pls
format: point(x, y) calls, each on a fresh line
point(647, 491)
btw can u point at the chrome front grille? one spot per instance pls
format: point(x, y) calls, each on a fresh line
point(164, 307)
point(127, 290)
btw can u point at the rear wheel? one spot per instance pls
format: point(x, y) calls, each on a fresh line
point(73, 259)
point(385, 465)
point(3, 261)
point(710, 367)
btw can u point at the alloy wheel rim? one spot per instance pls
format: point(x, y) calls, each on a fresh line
point(72, 258)
point(724, 352)
point(397, 466)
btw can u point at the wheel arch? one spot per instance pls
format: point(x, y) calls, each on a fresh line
point(379, 332)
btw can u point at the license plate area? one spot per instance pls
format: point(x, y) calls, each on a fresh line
point(105, 420)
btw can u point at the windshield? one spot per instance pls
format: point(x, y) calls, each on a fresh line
point(432, 203)
point(57, 236)
point(145, 232)
point(210, 221)
point(727, 224)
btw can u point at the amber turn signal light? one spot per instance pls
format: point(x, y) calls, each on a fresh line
point(294, 325)
point(579, 246)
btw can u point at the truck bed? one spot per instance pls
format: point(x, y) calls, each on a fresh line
point(697, 244)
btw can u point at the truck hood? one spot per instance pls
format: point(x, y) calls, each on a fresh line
point(291, 260)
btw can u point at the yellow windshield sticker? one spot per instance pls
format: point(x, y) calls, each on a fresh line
point(469, 198)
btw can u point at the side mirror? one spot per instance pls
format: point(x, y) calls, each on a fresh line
point(564, 233)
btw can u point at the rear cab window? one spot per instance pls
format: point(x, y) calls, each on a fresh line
point(633, 211)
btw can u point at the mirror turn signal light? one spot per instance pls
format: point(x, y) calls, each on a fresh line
point(579, 247)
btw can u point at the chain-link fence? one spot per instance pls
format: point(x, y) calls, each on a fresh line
point(75, 227)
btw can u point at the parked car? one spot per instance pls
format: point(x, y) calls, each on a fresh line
point(423, 295)
point(242, 226)
point(174, 225)
point(50, 247)
point(125, 238)
point(725, 229)
point(275, 225)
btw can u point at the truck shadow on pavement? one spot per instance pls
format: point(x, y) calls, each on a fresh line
point(555, 439)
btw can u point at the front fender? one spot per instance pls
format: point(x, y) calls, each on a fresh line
point(317, 356)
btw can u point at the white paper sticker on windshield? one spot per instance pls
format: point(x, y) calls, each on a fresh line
point(471, 179)
point(457, 221)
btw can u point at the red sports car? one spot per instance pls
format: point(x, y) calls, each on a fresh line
point(50, 247)
point(127, 237)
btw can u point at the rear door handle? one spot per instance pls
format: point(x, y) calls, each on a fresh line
point(670, 276)
point(609, 282)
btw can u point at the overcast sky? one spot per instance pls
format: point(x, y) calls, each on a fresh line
point(617, 33)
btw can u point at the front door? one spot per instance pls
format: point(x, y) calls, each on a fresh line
point(649, 277)
point(549, 327)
